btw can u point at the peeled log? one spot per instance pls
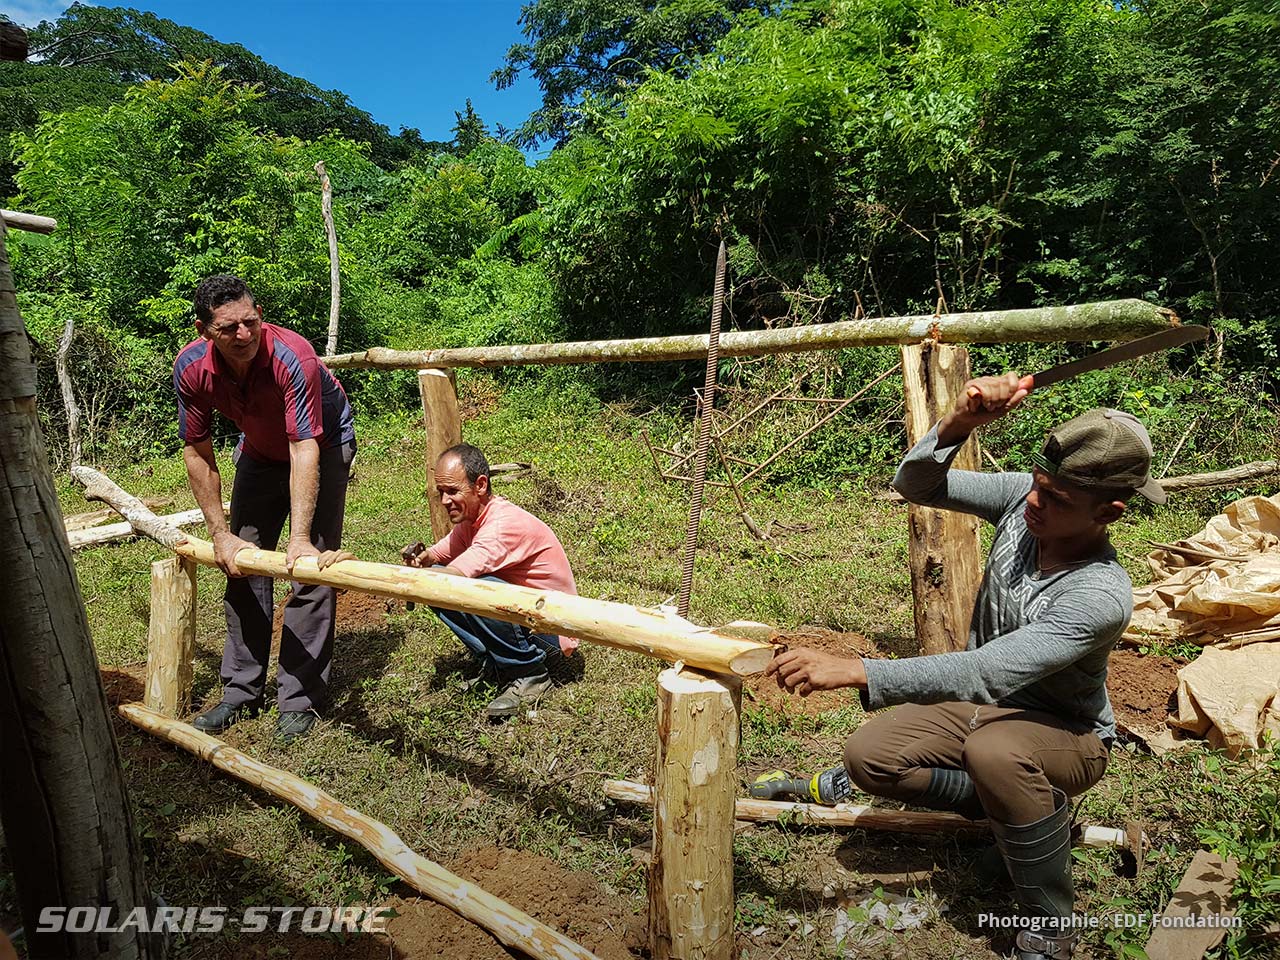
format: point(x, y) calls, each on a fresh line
point(511, 926)
point(1109, 320)
point(639, 629)
point(171, 636)
point(944, 551)
point(691, 873)
point(108, 533)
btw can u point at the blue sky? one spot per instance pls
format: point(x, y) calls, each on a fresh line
point(408, 63)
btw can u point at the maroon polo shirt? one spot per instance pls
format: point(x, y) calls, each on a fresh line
point(287, 394)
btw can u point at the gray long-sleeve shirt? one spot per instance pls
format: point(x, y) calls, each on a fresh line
point(1036, 640)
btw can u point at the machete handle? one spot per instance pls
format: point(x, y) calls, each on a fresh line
point(973, 396)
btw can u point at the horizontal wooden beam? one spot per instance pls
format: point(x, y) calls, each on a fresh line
point(28, 221)
point(644, 630)
point(511, 926)
point(1109, 320)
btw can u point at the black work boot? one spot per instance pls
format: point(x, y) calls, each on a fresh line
point(1038, 856)
point(224, 716)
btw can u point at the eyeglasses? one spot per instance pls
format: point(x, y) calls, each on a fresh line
point(230, 329)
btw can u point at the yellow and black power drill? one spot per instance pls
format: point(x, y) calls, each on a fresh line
point(828, 787)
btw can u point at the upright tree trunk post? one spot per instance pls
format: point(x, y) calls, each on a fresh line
point(691, 874)
point(67, 824)
point(326, 209)
point(171, 637)
point(944, 552)
point(444, 429)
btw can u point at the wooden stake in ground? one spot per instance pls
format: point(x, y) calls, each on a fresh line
point(944, 552)
point(512, 927)
point(67, 826)
point(691, 874)
point(439, 390)
point(171, 637)
point(326, 208)
point(68, 390)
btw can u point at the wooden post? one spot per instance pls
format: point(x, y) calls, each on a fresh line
point(68, 830)
point(691, 875)
point(171, 638)
point(439, 391)
point(944, 552)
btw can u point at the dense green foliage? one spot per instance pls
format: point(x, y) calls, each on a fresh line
point(873, 153)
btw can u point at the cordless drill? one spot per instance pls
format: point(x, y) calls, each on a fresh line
point(828, 787)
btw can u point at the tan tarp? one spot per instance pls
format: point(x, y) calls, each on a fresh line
point(1231, 697)
point(1219, 586)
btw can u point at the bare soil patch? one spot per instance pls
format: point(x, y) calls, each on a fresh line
point(570, 902)
point(766, 692)
point(1143, 689)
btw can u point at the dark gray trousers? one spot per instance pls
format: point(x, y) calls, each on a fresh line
point(259, 507)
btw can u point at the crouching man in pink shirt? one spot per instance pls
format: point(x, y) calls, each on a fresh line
point(493, 539)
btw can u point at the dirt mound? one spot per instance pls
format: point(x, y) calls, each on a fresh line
point(356, 611)
point(766, 692)
point(1142, 689)
point(572, 903)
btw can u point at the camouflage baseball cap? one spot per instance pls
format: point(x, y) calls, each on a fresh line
point(1102, 449)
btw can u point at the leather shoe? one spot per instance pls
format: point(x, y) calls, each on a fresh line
point(522, 692)
point(294, 724)
point(224, 716)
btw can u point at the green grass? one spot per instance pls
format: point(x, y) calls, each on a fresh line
point(402, 745)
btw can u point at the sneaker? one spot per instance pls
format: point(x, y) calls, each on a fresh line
point(522, 692)
point(294, 724)
point(225, 716)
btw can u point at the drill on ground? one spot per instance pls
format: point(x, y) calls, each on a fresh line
point(828, 787)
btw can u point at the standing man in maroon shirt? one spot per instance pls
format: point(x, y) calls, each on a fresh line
point(293, 461)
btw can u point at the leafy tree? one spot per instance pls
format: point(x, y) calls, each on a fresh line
point(582, 48)
point(469, 132)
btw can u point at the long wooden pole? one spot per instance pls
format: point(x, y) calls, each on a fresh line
point(696, 776)
point(512, 927)
point(639, 629)
point(68, 831)
point(110, 532)
point(1109, 320)
point(326, 210)
point(443, 422)
point(30, 222)
point(944, 550)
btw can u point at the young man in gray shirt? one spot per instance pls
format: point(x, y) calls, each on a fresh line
point(1019, 721)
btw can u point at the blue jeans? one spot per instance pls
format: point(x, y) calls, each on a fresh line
point(514, 650)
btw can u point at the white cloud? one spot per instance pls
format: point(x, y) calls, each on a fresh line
point(30, 12)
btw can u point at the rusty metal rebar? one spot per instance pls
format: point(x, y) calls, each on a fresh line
point(708, 402)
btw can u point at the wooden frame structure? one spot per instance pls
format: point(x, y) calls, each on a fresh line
point(691, 902)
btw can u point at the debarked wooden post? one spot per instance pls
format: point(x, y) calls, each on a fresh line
point(695, 782)
point(444, 429)
point(171, 637)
